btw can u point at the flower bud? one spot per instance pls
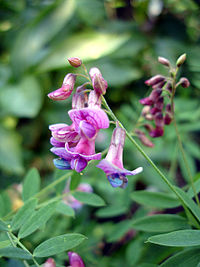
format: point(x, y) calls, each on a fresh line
point(159, 120)
point(79, 100)
point(146, 101)
point(49, 263)
point(168, 87)
point(167, 119)
point(94, 99)
point(145, 141)
point(75, 260)
point(145, 111)
point(99, 84)
point(168, 108)
point(65, 91)
point(184, 82)
point(159, 103)
point(159, 85)
point(164, 61)
point(148, 127)
point(155, 94)
point(75, 62)
point(155, 80)
point(181, 60)
point(157, 132)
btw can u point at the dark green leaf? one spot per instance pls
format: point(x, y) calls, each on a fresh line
point(89, 198)
point(160, 223)
point(31, 184)
point(23, 214)
point(12, 252)
point(182, 238)
point(58, 244)
point(38, 219)
point(155, 199)
point(183, 259)
point(65, 209)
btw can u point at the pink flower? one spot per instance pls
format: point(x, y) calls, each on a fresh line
point(75, 260)
point(49, 263)
point(99, 84)
point(112, 165)
point(65, 91)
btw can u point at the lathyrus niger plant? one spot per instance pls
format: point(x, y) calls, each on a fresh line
point(127, 227)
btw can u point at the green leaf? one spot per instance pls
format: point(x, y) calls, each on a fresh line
point(89, 198)
point(4, 243)
point(31, 184)
point(58, 244)
point(23, 214)
point(12, 252)
point(10, 151)
point(188, 202)
point(27, 95)
point(3, 226)
point(119, 230)
point(182, 238)
point(65, 209)
point(38, 219)
point(160, 223)
point(75, 180)
point(155, 199)
point(183, 259)
point(111, 211)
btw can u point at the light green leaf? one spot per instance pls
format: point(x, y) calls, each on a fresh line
point(182, 238)
point(65, 209)
point(89, 198)
point(155, 199)
point(12, 252)
point(4, 243)
point(23, 214)
point(38, 219)
point(86, 45)
point(31, 184)
point(58, 244)
point(160, 223)
point(27, 95)
point(183, 259)
point(10, 151)
point(111, 211)
point(3, 226)
point(188, 202)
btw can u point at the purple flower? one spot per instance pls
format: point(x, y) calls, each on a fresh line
point(112, 165)
point(75, 61)
point(99, 84)
point(64, 133)
point(66, 89)
point(75, 260)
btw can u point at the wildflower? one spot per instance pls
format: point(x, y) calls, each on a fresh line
point(66, 89)
point(155, 80)
point(75, 62)
point(99, 83)
point(112, 165)
point(49, 263)
point(184, 82)
point(164, 61)
point(143, 138)
point(75, 260)
point(181, 60)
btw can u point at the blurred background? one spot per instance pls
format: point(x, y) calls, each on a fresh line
point(123, 38)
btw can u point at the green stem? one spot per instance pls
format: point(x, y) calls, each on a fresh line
point(145, 155)
point(24, 248)
point(52, 185)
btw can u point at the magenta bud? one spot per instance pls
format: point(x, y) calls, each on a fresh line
point(159, 85)
point(146, 101)
point(168, 108)
point(79, 100)
point(181, 60)
point(49, 263)
point(155, 80)
point(75, 260)
point(167, 119)
point(159, 103)
point(155, 94)
point(75, 62)
point(184, 82)
point(157, 132)
point(164, 61)
point(145, 140)
point(98, 82)
point(154, 110)
point(168, 87)
point(159, 120)
point(148, 127)
point(94, 99)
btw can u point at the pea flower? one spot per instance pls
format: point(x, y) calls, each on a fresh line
point(49, 263)
point(112, 165)
point(75, 260)
point(98, 82)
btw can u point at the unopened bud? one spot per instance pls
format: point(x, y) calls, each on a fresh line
point(181, 60)
point(79, 100)
point(155, 80)
point(168, 87)
point(145, 111)
point(149, 117)
point(94, 99)
point(49, 263)
point(75, 62)
point(159, 85)
point(184, 82)
point(168, 108)
point(146, 101)
point(164, 61)
point(157, 132)
point(155, 94)
point(148, 127)
point(159, 120)
point(159, 103)
point(98, 82)
point(167, 118)
point(75, 260)
point(145, 141)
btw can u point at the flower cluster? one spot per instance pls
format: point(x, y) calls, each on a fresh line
point(156, 110)
point(75, 144)
point(74, 261)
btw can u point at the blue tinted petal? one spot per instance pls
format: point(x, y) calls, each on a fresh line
point(62, 164)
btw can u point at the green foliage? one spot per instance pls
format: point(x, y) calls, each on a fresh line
point(31, 184)
point(89, 198)
point(12, 252)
